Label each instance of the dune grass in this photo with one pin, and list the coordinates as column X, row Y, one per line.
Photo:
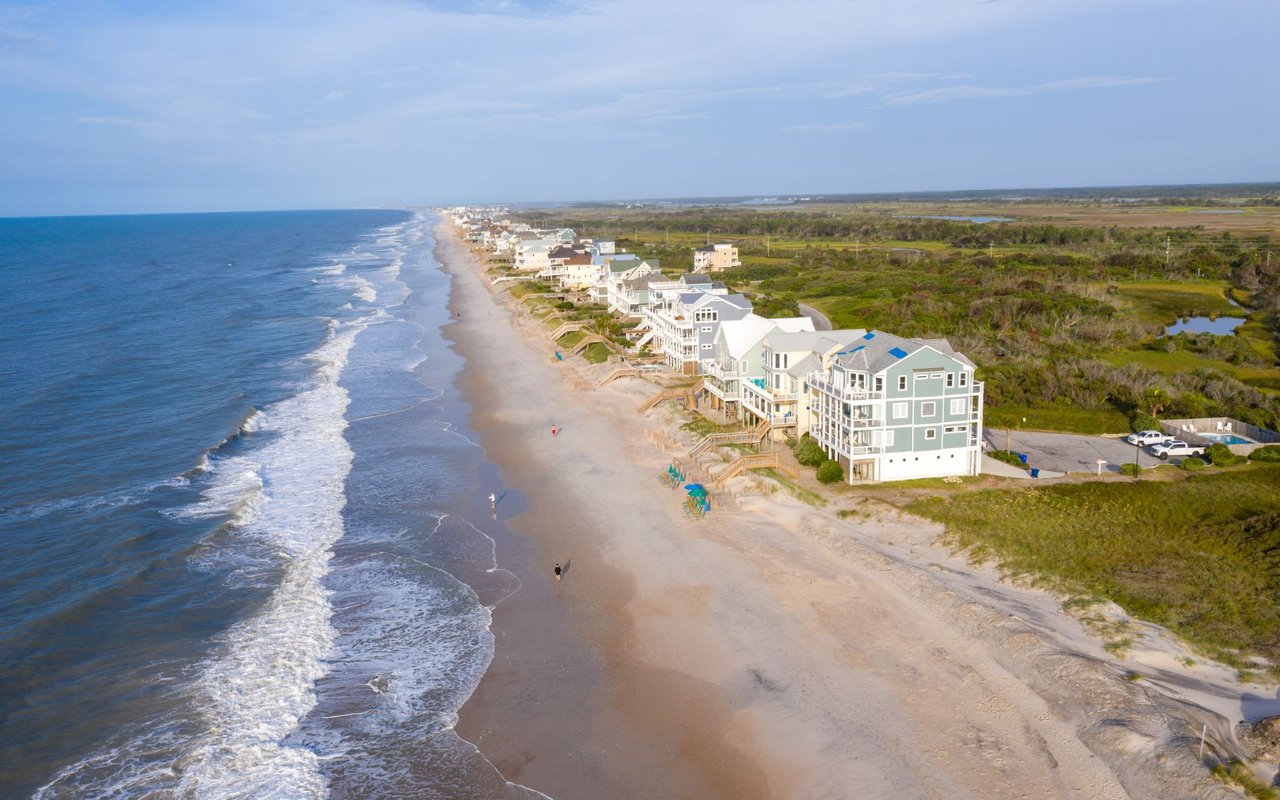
column 1200, row 556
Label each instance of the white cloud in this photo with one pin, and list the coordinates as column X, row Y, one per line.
column 948, row 93
column 833, row 127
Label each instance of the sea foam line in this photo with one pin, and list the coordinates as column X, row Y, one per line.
column 252, row 692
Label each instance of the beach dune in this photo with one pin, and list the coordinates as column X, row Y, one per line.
column 774, row 651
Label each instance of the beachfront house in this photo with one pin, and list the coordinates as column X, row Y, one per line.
column 737, row 355
column 789, row 357
column 715, row 258
column 570, row 267
column 617, row 270
column 889, row 408
column 632, row 297
column 684, row 316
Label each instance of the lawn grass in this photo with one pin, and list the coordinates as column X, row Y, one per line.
column 1069, row 419
column 571, row 338
column 1200, row 556
column 596, row 353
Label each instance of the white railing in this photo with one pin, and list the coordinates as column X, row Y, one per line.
column 822, row 382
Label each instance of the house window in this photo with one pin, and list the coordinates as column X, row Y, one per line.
column 951, row 379
column 706, row 329
column 957, row 406
column 879, row 383
column 930, row 433
column 706, row 347
column 964, row 378
column 900, row 410
column 888, row 438
column 928, row 409
column 902, row 383
column 744, row 366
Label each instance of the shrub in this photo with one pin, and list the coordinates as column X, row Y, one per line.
column 809, row 453
column 1269, row 453
column 1144, row 422
column 564, row 305
column 1008, row 457
column 830, row 472
column 1131, row 469
column 1221, row 456
column 1192, row 464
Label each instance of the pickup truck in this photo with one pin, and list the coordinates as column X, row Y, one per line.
column 1147, row 438
column 1175, row 447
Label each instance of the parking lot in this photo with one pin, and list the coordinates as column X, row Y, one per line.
column 1069, row 452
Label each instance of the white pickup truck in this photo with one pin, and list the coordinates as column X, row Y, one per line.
column 1175, row 447
column 1147, row 438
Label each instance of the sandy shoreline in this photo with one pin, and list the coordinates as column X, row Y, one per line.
column 772, row 652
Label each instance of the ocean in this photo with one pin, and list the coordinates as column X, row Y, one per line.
column 246, row 531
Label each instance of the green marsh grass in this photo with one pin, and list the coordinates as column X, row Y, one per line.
column 1200, row 556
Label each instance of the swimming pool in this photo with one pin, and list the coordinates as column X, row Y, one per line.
column 1226, row 438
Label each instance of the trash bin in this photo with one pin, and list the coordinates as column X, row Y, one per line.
column 1035, row 473
column 1023, row 457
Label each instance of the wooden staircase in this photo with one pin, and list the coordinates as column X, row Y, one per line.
column 620, row 372
column 753, row 437
column 586, row 342
column 753, row 461
column 687, row 393
column 568, row 327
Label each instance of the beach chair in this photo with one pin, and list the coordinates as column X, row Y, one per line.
column 1219, row 426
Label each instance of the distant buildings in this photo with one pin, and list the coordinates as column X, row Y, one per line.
column 886, row 407
column 715, row 258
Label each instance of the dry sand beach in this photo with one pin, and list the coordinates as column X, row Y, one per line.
column 772, row 651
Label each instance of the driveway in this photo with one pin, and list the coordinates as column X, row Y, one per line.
column 1070, row 452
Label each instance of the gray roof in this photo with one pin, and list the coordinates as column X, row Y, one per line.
column 695, row 279
column 812, row 341
column 644, row 280
column 810, row 363
column 877, row 351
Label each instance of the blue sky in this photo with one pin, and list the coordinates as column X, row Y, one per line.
column 174, row 106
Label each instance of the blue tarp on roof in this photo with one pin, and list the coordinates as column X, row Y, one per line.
column 898, row 352
column 869, row 336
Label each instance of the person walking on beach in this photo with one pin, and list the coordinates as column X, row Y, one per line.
column 559, row 572
column 493, row 502
column 554, row 429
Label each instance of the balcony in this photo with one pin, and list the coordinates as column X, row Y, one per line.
column 718, row 370
column 822, row 382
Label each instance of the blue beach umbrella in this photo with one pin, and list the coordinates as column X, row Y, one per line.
column 694, row 487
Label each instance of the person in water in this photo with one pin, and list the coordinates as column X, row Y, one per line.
column 559, row 572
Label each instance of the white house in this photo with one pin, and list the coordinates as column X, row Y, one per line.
column 789, row 357
column 737, row 355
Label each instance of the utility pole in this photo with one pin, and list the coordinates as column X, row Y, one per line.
column 1166, row 254
column 768, row 248
column 991, row 249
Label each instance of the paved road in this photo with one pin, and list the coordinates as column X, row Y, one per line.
column 820, row 321
column 1068, row 452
